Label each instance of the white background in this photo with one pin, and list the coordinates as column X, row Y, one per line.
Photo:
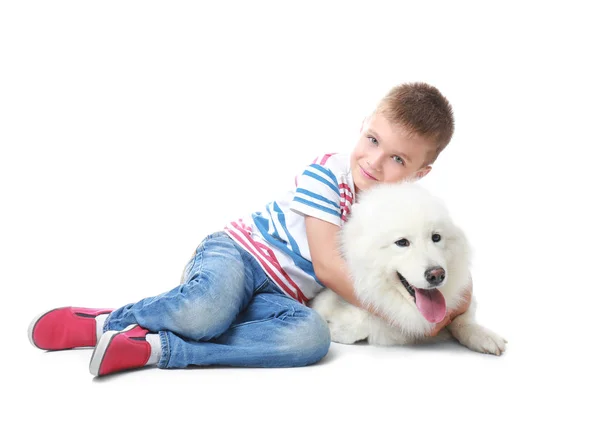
column 130, row 130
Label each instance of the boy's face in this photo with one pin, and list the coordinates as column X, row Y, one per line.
column 386, row 153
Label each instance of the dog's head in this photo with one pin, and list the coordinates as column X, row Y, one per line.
column 403, row 248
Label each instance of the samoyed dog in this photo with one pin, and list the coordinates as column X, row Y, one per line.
column 410, row 262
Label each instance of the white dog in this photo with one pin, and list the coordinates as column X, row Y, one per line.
column 408, row 260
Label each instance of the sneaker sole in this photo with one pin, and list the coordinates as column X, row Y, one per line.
column 34, row 322
column 100, row 350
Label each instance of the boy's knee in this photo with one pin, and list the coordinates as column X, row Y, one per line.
column 207, row 308
column 202, row 320
column 311, row 338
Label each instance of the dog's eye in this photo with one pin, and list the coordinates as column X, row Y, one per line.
column 436, row 238
column 402, row 242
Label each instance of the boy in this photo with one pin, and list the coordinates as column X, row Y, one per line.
column 242, row 298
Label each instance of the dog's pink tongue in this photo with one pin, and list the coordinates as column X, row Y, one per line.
column 431, row 304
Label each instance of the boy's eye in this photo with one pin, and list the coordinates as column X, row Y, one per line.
column 398, row 159
column 373, row 140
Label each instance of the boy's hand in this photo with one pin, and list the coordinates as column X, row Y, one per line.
column 450, row 315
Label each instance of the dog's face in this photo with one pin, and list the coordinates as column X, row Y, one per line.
column 401, row 239
column 416, row 253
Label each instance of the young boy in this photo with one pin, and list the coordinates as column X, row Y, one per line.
column 242, row 298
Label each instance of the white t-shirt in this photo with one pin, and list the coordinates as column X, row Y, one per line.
column 276, row 235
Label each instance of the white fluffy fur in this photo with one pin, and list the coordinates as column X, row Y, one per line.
column 382, row 216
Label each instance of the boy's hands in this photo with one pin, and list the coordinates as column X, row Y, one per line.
column 450, row 315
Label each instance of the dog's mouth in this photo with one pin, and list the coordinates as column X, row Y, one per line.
column 430, row 303
column 410, row 289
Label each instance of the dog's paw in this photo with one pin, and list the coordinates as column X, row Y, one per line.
column 345, row 334
column 480, row 339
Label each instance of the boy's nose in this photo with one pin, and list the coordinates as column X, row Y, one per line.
column 376, row 161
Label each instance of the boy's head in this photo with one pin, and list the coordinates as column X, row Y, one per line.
column 403, row 136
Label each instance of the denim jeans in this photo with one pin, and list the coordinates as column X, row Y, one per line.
column 227, row 312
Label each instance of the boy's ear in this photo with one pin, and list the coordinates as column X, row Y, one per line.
column 422, row 172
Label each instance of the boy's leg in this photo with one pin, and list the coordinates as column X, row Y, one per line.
column 218, row 283
column 217, row 286
column 273, row 331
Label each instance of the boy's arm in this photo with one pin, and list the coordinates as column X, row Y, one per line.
column 331, row 269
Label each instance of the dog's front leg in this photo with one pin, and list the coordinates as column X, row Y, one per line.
column 472, row 335
column 349, row 325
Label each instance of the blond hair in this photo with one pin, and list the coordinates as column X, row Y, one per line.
column 421, row 109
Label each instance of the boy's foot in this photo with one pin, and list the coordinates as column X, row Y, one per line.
column 66, row 328
column 122, row 350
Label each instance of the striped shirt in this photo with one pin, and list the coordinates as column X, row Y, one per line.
column 276, row 235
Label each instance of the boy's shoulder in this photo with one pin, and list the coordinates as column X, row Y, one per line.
column 339, row 162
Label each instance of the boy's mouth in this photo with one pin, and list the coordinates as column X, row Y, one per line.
column 366, row 174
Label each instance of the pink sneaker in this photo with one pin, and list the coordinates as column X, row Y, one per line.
column 66, row 328
column 121, row 350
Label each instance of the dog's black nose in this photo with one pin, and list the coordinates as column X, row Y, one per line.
column 435, row 275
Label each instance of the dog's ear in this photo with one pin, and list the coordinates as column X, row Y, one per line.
column 355, row 207
column 459, row 241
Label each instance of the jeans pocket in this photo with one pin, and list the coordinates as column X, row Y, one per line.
column 262, row 288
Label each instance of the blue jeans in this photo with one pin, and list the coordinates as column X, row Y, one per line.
column 227, row 311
